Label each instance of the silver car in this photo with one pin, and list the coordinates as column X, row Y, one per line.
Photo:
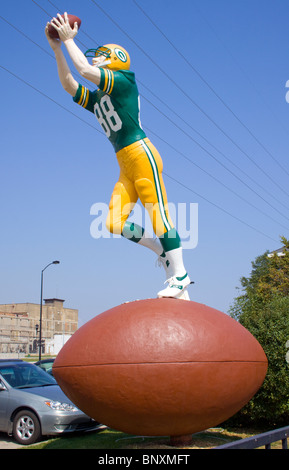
column 32, row 404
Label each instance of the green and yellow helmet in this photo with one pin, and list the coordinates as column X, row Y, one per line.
column 114, row 57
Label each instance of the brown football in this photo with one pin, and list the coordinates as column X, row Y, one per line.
column 161, row 367
column 72, row 19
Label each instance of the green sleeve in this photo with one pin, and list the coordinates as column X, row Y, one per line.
column 84, row 98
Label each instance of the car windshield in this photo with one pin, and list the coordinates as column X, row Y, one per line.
column 25, row 375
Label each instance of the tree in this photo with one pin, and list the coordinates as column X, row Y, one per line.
column 263, row 309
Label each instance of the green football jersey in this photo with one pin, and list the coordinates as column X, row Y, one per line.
column 116, row 105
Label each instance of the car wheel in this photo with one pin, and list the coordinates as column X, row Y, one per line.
column 26, row 427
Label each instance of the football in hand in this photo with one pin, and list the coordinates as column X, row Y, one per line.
column 71, row 18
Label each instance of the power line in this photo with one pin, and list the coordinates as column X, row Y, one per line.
column 50, row 16
column 59, row 9
column 189, row 97
column 52, row 56
column 256, row 90
column 209, row 153
column 210, row 87
column 49, row 98
column 182, row 154
column 213, row 146
column 218, row 207
column 27, row 37
column 169, row 176
column 217, row 180
column 224, row 166
column 101, row 132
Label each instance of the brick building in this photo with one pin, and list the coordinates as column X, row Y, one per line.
column 19, row 327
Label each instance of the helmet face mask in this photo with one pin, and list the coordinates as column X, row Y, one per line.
column 111, row 56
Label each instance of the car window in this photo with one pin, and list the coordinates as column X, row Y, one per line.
column 46, row 366
column 8, row 374
column 24, row 375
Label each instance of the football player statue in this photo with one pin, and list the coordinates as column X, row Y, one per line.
column 116, row 105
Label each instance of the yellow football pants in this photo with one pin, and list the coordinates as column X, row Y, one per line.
column 140, row 178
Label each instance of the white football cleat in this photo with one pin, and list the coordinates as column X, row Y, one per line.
column 176, row 287
column 184, row 295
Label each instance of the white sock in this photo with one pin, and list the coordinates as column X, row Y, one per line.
column 175, row 257
column 152, row 243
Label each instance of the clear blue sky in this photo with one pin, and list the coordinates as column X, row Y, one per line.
column 221, row 124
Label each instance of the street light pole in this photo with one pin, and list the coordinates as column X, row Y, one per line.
column 41, row 301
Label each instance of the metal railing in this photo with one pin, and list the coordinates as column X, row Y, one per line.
column 264, row 439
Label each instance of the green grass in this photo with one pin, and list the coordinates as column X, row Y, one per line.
column 107, row 439
column 110, row 439
column 34, row 358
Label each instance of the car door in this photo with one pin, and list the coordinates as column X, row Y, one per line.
column 4, row 406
